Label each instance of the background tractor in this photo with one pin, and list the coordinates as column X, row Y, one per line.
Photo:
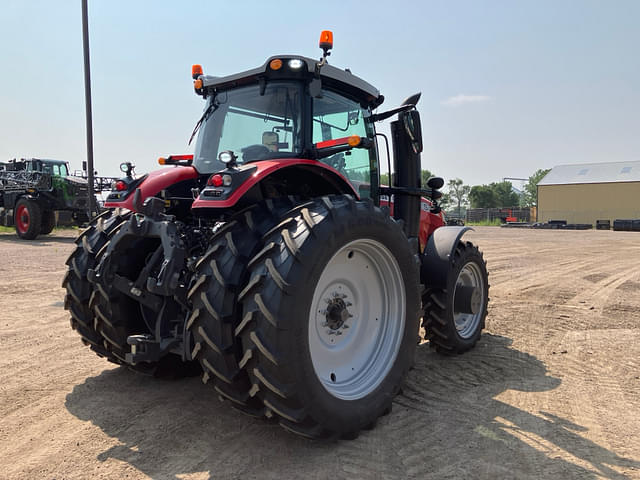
column 33, row 189
column 274, row 261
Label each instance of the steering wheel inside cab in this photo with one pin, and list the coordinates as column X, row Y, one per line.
column 255, row 152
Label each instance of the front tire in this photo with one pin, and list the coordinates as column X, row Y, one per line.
column 450, row 330
column 332, row 311
column 27, row 219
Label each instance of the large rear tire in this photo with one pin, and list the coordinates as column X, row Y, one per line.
column 215, row 316
column 330, row 317
column 449, row 330
column 77, row 286
column 27, row 218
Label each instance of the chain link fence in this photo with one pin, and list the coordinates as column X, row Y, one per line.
column 490, row 215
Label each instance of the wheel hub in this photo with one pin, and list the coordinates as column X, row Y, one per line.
column 468, row 299
column 337, row 313
column 22, row 219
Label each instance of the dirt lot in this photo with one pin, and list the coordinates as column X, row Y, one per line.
column 551, row 391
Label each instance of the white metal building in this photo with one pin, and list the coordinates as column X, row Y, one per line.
column 584, row 193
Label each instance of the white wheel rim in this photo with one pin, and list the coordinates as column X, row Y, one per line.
column 357, row 318
column 467, row 323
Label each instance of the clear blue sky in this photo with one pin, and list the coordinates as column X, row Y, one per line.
column 507, row 87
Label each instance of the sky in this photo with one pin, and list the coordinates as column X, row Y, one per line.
column 508, row 87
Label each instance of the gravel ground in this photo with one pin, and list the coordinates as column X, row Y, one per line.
column 551, row 391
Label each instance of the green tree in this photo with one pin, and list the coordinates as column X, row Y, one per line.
column 482, row 196
column 425, row 175
column 505, row 196
column 531, row 188
column 445, row 201
column 458, row 192
column 496, row 194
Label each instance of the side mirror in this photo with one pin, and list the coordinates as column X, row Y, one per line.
column 435, row 183
column 413, row 127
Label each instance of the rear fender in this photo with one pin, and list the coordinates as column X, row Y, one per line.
column 154, row 183
column 291, row 176
column 438, row 255
column 429, row 221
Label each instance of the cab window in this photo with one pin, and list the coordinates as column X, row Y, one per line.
column 334, row 117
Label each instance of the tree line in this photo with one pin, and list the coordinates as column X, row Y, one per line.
column 493, row 195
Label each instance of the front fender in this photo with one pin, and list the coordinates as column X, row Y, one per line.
column 438, row 254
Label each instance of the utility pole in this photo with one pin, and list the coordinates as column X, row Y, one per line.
column 87, row 103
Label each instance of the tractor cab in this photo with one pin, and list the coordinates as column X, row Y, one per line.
column 292, row 107
column 56, row 168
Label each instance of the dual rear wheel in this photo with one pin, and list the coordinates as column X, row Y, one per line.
column 304, row 313
column 326, row 316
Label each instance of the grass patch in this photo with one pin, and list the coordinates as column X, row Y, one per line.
column 486, row 223
column 6, row 229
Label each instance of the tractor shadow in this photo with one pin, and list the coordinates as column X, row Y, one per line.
column 447, row 423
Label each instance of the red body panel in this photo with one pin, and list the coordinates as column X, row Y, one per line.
column 428, row 221
column 264, row 169
column 157, row 181
column 164, row 178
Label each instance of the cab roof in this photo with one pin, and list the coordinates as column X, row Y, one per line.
column 333, row 77
column 47, row 160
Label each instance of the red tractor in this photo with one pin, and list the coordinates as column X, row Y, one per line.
column 274, row 260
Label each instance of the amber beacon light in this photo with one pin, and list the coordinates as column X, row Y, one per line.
column 196, row 71
column 326, row 40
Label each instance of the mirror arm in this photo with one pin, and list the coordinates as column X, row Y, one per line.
column 376, row 117
column 416, row 192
